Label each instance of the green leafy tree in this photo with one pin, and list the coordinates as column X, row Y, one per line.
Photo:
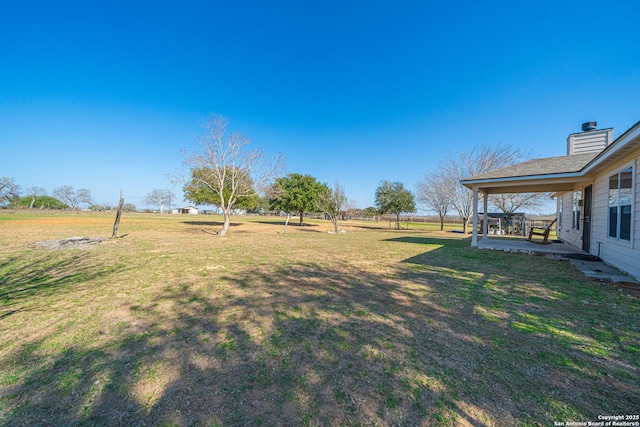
column 199, row 193
column 262, row 205
column 392, row 197
column 129, row 207
column 370, row 211
column 296, row 193
column 40, row 202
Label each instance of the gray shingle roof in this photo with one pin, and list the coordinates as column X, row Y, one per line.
column 545, row 166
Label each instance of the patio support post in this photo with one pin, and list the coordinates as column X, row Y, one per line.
column 485, row 217
column 474, row 231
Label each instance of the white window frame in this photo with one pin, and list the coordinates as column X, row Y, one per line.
column 628, row 168
column 576, row 209
column 560, row 212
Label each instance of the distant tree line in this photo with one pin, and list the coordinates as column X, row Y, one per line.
column 65, row 197
column 68, row 197
column 227, row 172
column 61, row 198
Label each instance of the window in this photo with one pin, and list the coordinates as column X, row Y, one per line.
column 620, row 205
column 577, row 207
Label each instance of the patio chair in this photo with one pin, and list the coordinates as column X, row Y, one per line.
column 539, row 231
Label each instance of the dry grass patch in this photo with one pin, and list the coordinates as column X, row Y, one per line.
column 172, row 325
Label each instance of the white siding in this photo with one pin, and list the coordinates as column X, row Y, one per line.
column 588, row 142
column 599, row 213
column 619, row 253
column 566, row 232
column 636, row 211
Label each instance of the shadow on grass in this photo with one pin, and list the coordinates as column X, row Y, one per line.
column 377, row 227
column 282, row 222
column 545, row 325
column 44, row 273
column 307, row 230
column 210, row 223
column 443, row 338
column 426, row 240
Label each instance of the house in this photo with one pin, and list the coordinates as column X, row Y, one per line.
column 186, row 210
column 597, row 192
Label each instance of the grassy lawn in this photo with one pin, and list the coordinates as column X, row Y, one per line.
column 172, row 325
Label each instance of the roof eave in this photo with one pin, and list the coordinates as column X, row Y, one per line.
column 470, row 183
column 616, row 147
column 562, row 181
column 528, row 184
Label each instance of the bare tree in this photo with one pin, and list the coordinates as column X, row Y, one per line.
column 160, row 198
column 228, row 168
column 332, row 202
column 433, row 191
column 71, row 196
column 511, row 202
column 34, row 193
column 9, row 190
column 481, row 159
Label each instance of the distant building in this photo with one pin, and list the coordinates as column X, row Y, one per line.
column 189, row 210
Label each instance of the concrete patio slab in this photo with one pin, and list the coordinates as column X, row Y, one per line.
column 593, row 269
column 514, row 244
column 601, row 271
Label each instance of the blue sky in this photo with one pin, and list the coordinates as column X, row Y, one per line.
column 103, row 95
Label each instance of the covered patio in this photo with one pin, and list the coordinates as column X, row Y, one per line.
column 592, row 183
column 548, row 175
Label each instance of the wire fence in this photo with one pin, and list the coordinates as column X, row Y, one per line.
column 406, row 221
column 425, row 219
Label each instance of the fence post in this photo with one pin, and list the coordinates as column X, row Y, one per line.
column 118, row 214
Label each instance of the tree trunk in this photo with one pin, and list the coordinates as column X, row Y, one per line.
column 33, row 200
column 441, row 223
column 465, row 222
column 301, row 217
column 397, row 221
column 225, row 226
column 335, row 223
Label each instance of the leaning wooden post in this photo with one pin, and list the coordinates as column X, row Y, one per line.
column 118, row 214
